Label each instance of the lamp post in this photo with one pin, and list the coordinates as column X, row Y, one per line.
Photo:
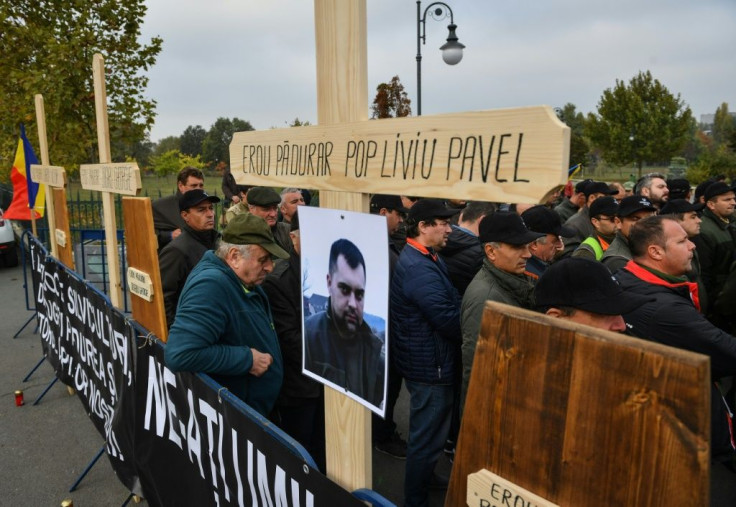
column 452, row 50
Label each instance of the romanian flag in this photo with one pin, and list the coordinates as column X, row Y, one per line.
column 27, row 195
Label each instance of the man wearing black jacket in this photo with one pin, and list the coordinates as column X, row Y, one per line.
column 300, row 406
column 178, row 258
column 661, row 256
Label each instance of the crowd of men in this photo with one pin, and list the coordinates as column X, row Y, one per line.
column 649, row 259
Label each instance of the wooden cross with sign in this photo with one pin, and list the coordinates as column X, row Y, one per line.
column 54, row 177
column 514, row 155
column 143, row 276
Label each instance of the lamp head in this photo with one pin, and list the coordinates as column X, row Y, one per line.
column 452, row 50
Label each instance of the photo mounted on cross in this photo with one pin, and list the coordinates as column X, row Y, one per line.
column 345, row 313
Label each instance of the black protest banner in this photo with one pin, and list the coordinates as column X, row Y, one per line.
column 88, row 344
column 196, row 445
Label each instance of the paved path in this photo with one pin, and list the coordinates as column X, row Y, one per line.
column 44, row 448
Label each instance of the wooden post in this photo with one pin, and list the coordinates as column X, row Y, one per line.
column 580, row 416
column 108, row 204
column 44, row 147
column 342, row 96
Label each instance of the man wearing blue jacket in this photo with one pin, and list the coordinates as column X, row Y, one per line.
column 223, row 325
column 425, row 316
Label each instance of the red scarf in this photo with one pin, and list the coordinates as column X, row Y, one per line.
column 649, row 277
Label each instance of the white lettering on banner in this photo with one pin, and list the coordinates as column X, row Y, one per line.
column 210, row 438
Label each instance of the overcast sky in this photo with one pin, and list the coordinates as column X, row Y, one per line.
column 255, row 59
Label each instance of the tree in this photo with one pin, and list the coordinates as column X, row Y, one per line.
column 579, row 148
column 216, row 144
column 46, row 47
column 192, row 139
column 391, row 100
column 641, row 122
column 724, row 126
column 173, row 161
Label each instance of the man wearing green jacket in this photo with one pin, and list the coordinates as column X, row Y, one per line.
column 223, row 325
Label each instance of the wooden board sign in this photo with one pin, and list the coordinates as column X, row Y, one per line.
column 140, row 284
column 51, row 175
column 582, row 416
column 119, row 178
column 60, row 237
column 486, row 489
column 506, row 155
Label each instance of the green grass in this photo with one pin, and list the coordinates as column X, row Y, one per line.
column 153, row 186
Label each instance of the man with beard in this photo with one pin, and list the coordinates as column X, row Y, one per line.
column 339, row 346
column 653, row 186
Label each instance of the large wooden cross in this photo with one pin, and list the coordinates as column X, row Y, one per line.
column 514, row 155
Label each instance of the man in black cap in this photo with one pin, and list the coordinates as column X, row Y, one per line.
column 543, row 220
column 264, row 202
column 584, row 291
column 570, row 205
column 167, row 221
column 178, row 258
column 385, row 437
column 581, row 220
column 661, row 256
column 505, row 241
column 679, row 189
column 300, row 406
column 630, row 210
column 425, row 316
column 716, row 247
column 603, row 219
column 223, row 325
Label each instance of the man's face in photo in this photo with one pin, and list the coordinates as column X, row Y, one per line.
column 346, row 287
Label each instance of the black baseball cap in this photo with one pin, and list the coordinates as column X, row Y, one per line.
column 541, row 219
column 598, row 187
column 677, row 206
column 390, row 202
column 249, row 229
column 194, row 197
column 584, row 284
column 505, row 227
column 605, row 205
column 678, row 187
column 580, row 185
column 633, row 203
column 716, row 189
column 263, row 196
column 702, row 187
column 428, row 209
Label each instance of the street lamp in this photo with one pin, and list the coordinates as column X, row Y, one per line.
column 452, row 50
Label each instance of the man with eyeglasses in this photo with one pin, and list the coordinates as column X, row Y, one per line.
column 425, row 318
column 630, row 210
column 545, row 221
column 264, row 202
column 339, row 345
column 602, row 218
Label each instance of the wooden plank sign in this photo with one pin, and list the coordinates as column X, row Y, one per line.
column 506, row 155
column 486, row 489
column 51, row 175
column 119, row 178
column 582, row 416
